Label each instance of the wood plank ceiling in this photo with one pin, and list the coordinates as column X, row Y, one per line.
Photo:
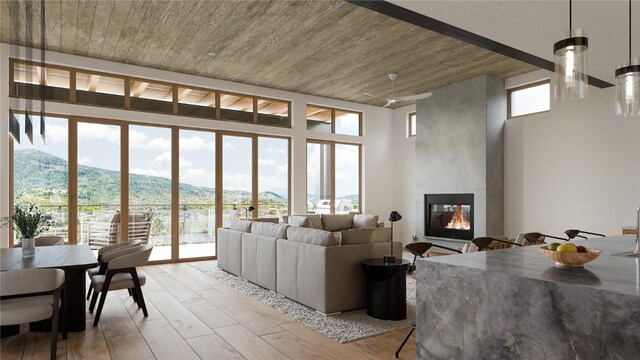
column 327, row 48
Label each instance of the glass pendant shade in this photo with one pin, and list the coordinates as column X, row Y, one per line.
column 570, row 75
column 628, row 89
column 14, row 127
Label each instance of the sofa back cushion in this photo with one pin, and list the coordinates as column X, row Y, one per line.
column 337, row 222
column 316, row 221
column 365, row 236
column 277, row 231
column 365, row 221
column 311, row 236
column 299, row 220
column 240, row 225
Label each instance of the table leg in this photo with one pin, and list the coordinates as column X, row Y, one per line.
column 75, row 303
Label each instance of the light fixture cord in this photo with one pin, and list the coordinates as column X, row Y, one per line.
column 630, row 32
column 570, row 16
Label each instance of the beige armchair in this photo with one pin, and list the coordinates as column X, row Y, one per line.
column 108, row 233
column 102, row 267
column 19, row 303
column 121, row 274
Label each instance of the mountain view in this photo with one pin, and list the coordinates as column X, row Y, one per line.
column 42, row 176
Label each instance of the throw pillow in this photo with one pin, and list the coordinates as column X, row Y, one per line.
column 365, row 221
column 299, row 220
column 311, row 236
column 337, row 222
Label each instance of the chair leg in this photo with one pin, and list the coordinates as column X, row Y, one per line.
column 89, row 292
column 141, row 303
column 413, row 327
column 92, row 305
column 54, row 325
column 63, row 315
column 96, row 319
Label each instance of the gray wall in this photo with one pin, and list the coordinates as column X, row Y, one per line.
column 459, row 149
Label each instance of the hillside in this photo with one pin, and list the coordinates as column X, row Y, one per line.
column 39, row 174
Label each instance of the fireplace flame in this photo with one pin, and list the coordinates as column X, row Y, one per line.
column 459, row 222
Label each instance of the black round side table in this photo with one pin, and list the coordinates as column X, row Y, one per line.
column 386, row 288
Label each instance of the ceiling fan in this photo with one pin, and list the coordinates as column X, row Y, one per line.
column 394, row 99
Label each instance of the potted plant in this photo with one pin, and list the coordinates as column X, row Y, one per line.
column 414, row 238
column 30, row 222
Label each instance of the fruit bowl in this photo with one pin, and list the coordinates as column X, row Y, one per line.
column 570, row 259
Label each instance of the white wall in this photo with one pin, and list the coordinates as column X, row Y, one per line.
column 404, row 160
column 577, row 166
column 377, row 141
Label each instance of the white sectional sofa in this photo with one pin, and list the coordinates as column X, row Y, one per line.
column 315, row 267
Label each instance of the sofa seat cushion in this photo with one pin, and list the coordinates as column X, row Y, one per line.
column 337, row 222
column 365, row 236
column 365, row 221
column 278, row 231
column 240, row 225
column 311, row 236
column 300, row 220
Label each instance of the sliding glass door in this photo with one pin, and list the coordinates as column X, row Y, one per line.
column 98, row 183
column 237, row 177
column 150, row 164
column 197, row 216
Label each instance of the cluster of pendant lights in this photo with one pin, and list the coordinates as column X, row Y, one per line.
column 571, row 77
column 14, row 127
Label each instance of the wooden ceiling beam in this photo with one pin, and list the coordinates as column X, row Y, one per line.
column 183, row 92
column 208, row 100
column 138, row 87
column 93, row 82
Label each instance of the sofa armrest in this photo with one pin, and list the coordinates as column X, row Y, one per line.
column 328, row 279
column 381, row 224
column 230, row 251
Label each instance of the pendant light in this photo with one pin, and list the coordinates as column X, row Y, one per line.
column 628, row 83
column 42, row 128
column 570, row 75
column 28, row 126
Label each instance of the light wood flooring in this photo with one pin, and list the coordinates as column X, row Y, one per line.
column 193, row 316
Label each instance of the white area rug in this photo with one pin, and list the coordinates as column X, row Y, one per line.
column 343, row 327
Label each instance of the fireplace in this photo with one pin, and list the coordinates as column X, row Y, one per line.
column 449, row 216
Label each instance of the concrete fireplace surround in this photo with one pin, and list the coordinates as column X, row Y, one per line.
column 459, row 149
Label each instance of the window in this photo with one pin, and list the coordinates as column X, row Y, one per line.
column 39, row 82
column 236, row 107
column 40, row 171
column 273, row 177
column 335, row 121
column 411, row 124
column 96, row 89
column 333, row 177
column 196, row 102
column 529, row 99
column 273, row 112
column 150, row 96
column 237, row 179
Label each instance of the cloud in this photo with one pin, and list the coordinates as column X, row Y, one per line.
column 84, row 160
column 163, row 159
column 267, row 162
column 91, row 131
column 159, row 144
column 137, row 139
column 196, row 143
column 57, row 133
column 271, row 183
column 347, row 156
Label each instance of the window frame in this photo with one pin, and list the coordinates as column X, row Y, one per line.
column 333, row 118
column 124, row 125
column 523, row 87
column 127, row 93
column 409, row 115
column 332, row 145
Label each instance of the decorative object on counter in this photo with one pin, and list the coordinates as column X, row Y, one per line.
column 573, row 233
column 29, row 222
column 571, row 75
column 570, row 258
column 247, row 210
column 393, row 217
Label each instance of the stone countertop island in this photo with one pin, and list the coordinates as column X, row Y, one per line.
column 515, row 304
